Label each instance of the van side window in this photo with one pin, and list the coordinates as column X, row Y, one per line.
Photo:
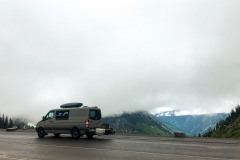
column 62, row 115
column 49, row 115
column 95, row 114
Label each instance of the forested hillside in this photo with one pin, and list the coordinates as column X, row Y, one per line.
column 137, row 123
column 228, row 128
column 5, row 122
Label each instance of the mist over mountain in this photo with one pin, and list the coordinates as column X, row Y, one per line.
column 133, row 55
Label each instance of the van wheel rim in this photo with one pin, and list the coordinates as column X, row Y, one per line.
column 75, row 134
column 41, row 133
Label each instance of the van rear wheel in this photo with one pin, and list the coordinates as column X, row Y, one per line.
column 89, row 135
column 75, row 133
column 56, row 134
column 41, row 133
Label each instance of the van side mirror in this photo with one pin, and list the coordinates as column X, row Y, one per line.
column 43, row 118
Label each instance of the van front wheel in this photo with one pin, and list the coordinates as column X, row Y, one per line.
column 75, row 133
column 41, row 133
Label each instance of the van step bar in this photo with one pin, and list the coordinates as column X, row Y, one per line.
column 109, row 131
column 101, row 131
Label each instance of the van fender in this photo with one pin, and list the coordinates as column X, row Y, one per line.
column 37, row 128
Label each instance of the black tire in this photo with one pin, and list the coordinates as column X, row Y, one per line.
column 56, row 134
column 41, row 133
column 89, row 135
column 75, row 133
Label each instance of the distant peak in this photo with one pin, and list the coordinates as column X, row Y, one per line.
column 167, row 113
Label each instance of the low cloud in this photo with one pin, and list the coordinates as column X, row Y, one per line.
column 123, row 56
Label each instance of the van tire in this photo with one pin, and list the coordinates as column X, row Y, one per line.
column 56, row 134
column 75, row 133
column 89, row 135
column 41, row 133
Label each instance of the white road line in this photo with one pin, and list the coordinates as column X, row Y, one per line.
column 3, row 156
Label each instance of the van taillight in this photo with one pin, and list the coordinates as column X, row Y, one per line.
column 87, row 123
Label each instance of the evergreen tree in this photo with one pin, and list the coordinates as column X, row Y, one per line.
column 1, row 122
column 10, row 125
column 218, row 125
column 199, row 135
column 238, row 110
column 5, row 123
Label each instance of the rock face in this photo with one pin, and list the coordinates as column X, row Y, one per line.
column 137, row 123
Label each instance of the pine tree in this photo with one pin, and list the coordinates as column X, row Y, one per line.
column 199, row 135
column 10, row 125
column 5, row 123
column 1, row 122
column 238, row 110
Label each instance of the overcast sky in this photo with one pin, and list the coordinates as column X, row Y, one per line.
column 119, row 55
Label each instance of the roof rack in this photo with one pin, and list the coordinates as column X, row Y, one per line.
column 71, row 105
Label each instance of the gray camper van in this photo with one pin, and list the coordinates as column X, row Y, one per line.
column 72, row 119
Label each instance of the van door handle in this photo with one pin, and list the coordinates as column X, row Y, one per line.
column 51, row 121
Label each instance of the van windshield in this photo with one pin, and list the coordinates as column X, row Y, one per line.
column 50, row 115
column 95, row 114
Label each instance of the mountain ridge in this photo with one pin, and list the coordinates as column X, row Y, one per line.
column 140, row 122
column 192, row 125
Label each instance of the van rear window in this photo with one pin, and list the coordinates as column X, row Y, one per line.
column 95, row 114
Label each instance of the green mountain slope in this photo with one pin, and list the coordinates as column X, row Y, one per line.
column 228, row 128
column 137, row 123
column 192, row 124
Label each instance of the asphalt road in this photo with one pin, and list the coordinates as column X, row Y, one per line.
column 27, row 146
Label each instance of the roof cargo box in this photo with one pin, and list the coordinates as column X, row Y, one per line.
column 71, row 105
